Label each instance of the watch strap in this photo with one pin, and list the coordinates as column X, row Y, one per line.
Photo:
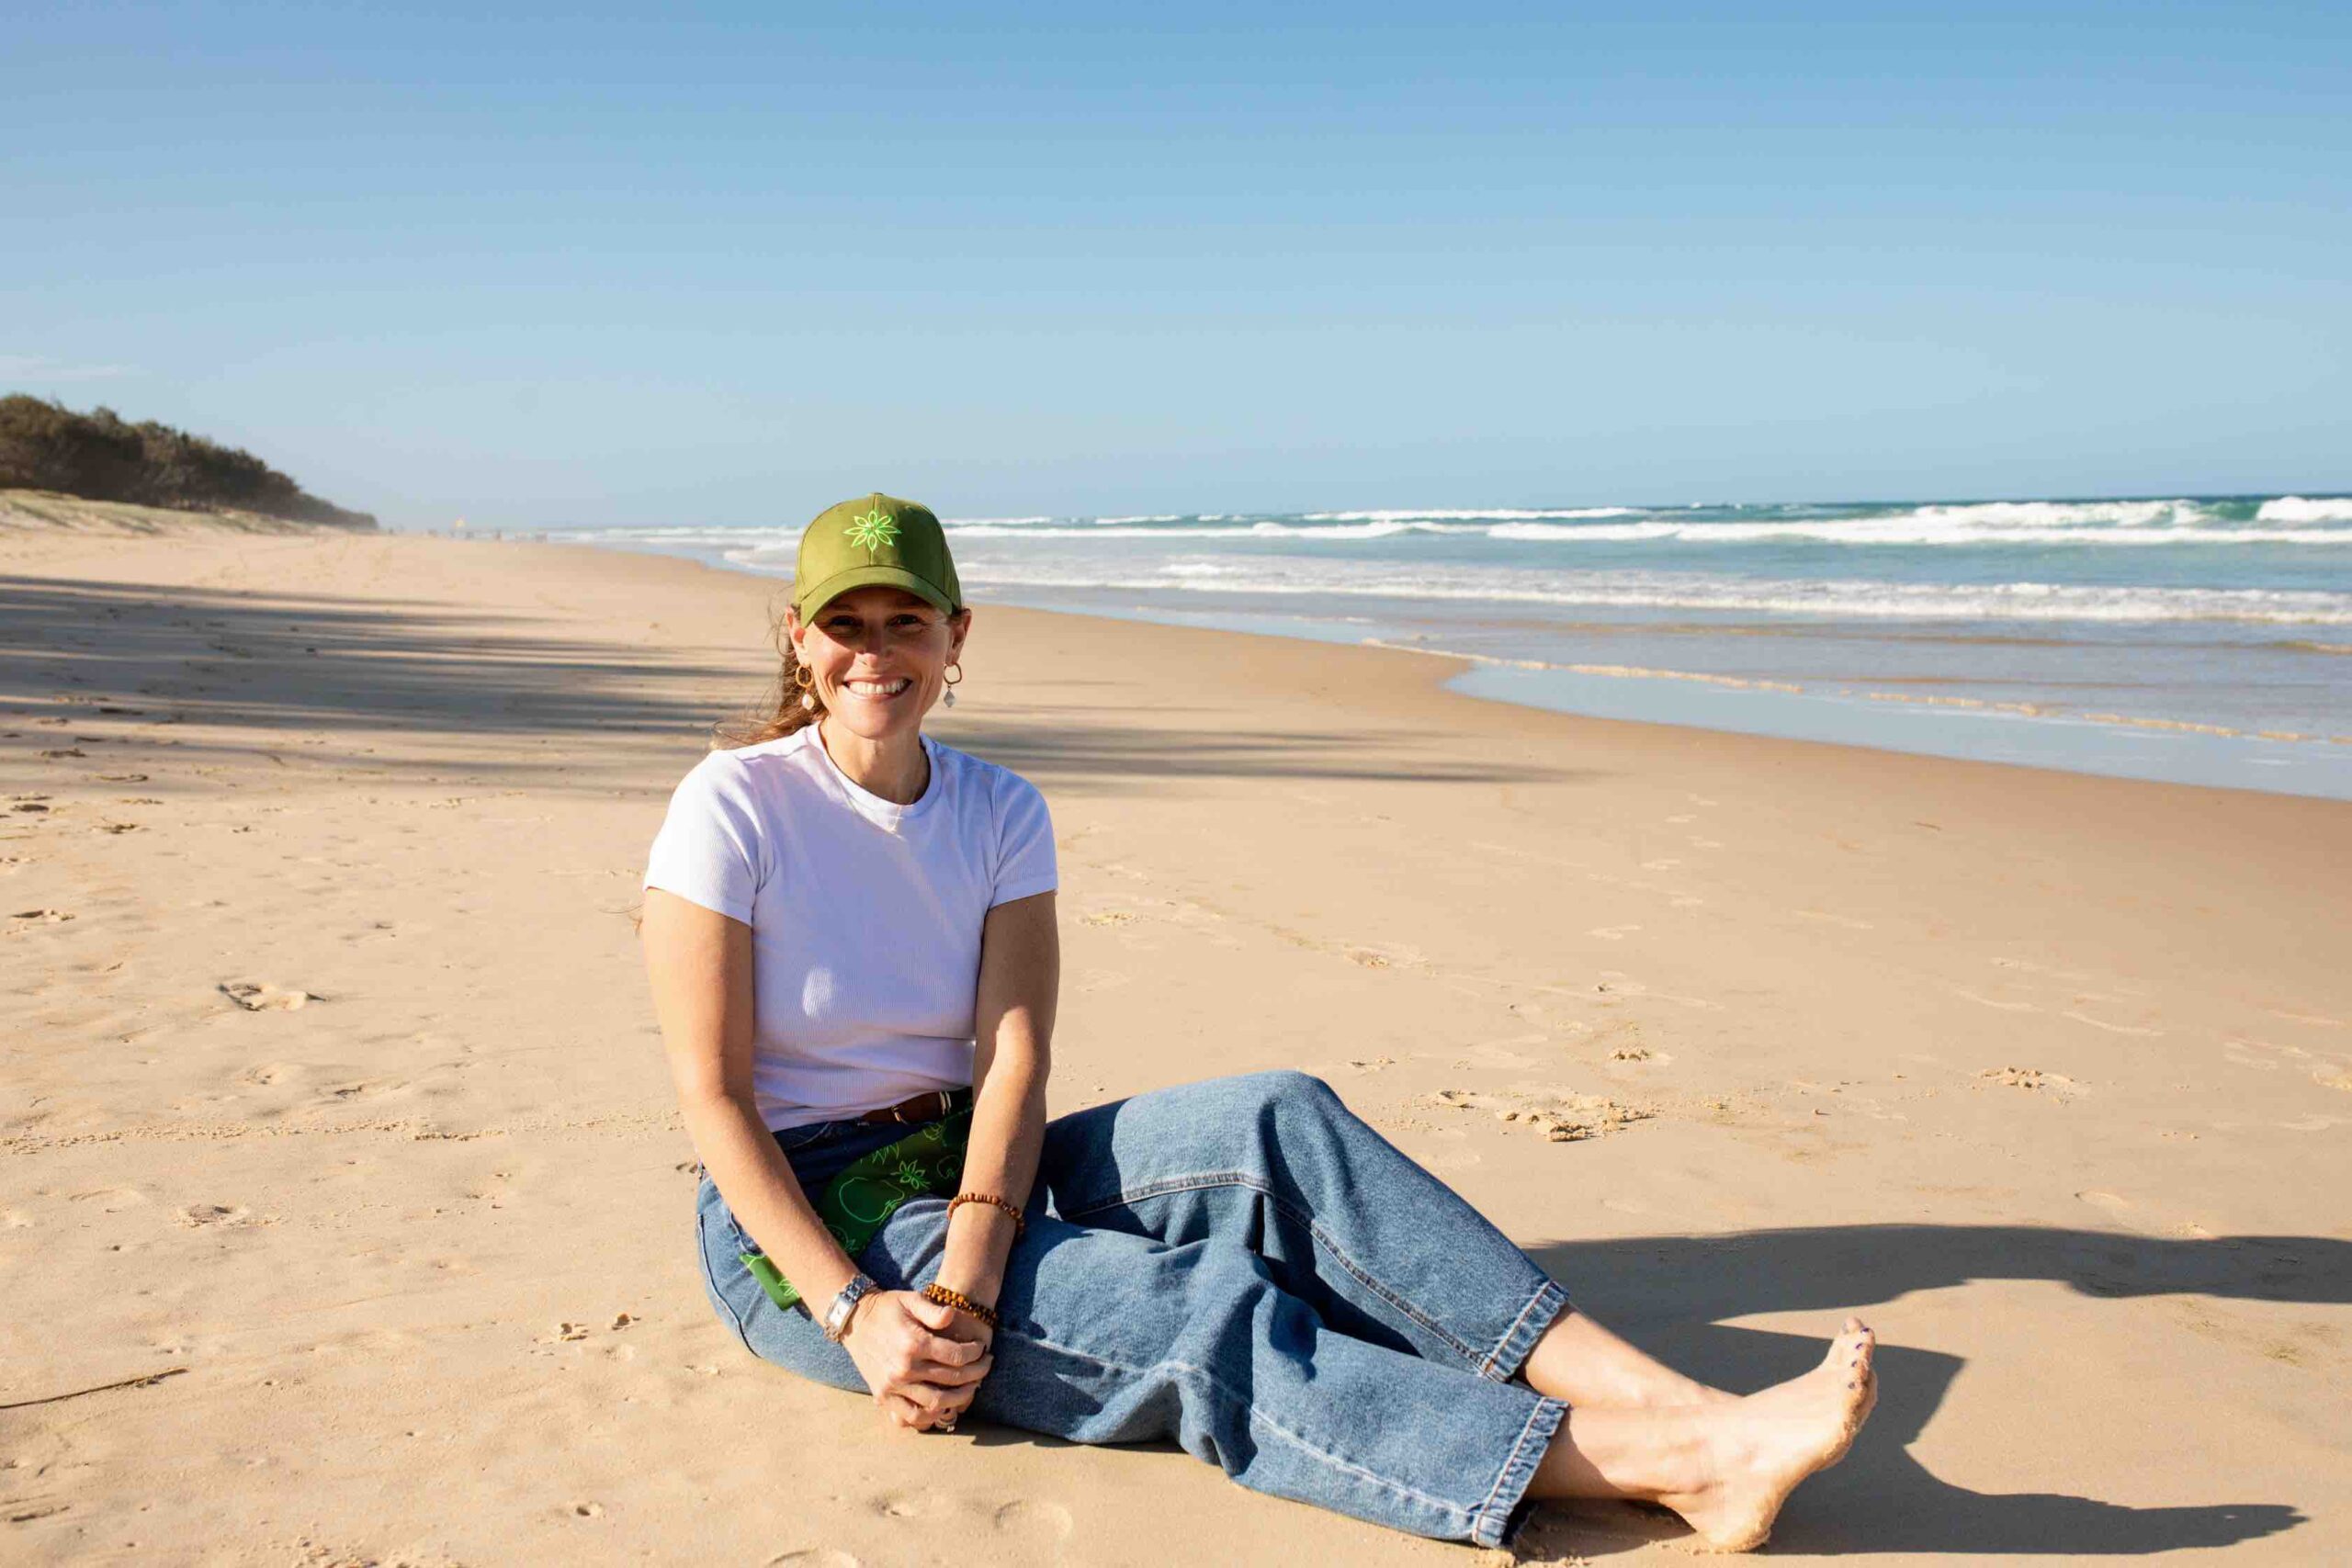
column 838, row 1314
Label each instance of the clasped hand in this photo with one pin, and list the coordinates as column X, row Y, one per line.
column 923, row 1360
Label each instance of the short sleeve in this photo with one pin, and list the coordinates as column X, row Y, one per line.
column 1025, row 838
column 708, row 847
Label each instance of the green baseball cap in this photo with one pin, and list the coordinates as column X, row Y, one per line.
column 876, row 538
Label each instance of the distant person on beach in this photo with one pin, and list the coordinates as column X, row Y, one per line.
column 851, row 935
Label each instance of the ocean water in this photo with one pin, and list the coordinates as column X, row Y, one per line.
column 2204, row 639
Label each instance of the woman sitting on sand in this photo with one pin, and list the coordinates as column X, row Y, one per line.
column 851, row 934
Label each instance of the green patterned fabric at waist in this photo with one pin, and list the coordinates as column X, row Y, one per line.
column 855, row 1203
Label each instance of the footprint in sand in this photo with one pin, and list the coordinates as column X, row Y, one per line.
column 199, row 1214
column 813, row 1557
column 260, row 997
column 2029, row 1077
column 1035, row 1522
column 113, row 1200
column 1566, row 1119
column 26, row 918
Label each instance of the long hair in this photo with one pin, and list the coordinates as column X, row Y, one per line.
column 780, row 711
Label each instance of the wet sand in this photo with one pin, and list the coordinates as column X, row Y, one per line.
column 333, row 1092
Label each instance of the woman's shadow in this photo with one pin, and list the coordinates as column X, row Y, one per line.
column 1672, row 1292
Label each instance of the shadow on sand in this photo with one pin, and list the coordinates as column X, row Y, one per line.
column 1672, row 1292
column 349, row 671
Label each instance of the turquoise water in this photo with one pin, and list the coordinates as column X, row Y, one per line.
column 2204, row 639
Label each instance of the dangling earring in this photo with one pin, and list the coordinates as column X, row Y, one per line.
column 957, row 670
column 802, row 679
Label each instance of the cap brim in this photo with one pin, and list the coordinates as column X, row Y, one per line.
column 841, row 582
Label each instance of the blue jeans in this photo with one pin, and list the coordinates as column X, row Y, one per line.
column 1242, row 1265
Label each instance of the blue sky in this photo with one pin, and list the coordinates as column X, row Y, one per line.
column 728, row 264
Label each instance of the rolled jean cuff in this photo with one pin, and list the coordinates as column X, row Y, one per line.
column 1507, row 1505
column 1547, row 1304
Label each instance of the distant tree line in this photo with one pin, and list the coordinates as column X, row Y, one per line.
column 102, row 457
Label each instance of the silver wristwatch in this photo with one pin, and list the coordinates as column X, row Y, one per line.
column 837, row 1314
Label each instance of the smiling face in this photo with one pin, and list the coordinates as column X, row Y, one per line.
column 879, row 658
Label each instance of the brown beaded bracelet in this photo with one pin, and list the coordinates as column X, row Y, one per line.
column 945, row 1296
column 1020, row 1220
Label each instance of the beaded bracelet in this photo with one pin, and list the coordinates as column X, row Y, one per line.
column 1020, row 1220
column 945, row 1296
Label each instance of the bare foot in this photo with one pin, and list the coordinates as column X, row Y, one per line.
column 1583, row 1364
column 1685, row 1393
column 1763, row 1445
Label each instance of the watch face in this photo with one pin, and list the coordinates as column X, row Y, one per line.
column 837, row 1315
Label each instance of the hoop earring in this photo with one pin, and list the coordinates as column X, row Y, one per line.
column 957, row 669
column 807, row 684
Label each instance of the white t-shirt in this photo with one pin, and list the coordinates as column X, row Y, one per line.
column 866, row 915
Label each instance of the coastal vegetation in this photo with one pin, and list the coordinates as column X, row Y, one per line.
column 100, row 456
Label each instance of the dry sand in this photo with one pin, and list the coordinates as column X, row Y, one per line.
column 332, row 1088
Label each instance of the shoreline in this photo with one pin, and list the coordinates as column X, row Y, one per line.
column 336, row 1087
column 1835, row 711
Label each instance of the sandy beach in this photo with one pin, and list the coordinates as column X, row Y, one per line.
column 344, row 1211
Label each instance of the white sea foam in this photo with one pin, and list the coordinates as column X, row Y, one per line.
column 2061, row 514
column 2301, row 509
column 1830, row 598
column 1925, row 527
column 683, row 536
column 1260, row 530
column 1442, row 514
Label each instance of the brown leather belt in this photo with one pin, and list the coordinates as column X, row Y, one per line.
column 928, row 1106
